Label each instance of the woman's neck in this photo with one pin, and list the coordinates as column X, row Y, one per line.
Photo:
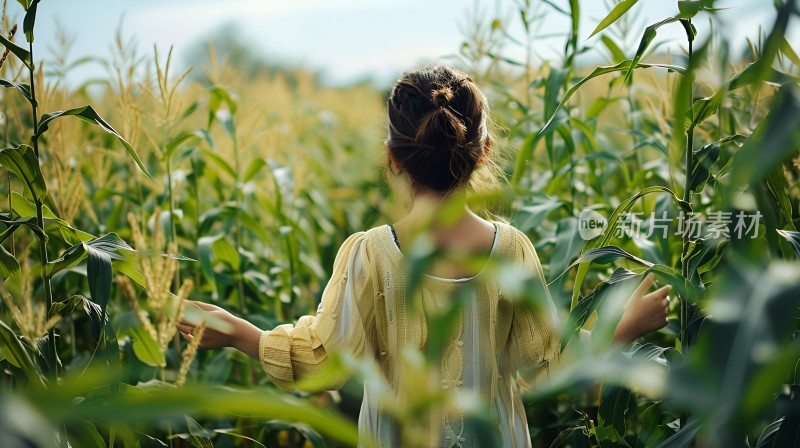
column 447, row 221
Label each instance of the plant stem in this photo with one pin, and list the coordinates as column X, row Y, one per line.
column 687, row 197
column 238, row 197
column 5, row 145
column 173, row 233
column 196, row 214
column 48, row 293
column 176, row 279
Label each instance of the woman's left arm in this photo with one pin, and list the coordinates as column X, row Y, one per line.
column 644, row 312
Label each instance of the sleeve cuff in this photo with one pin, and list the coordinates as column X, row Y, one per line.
column 261, row 345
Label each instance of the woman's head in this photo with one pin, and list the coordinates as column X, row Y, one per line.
column 437, row 127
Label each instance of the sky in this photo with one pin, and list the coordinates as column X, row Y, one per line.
column 345, row 40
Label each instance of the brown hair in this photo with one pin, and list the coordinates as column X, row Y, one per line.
column 437, row 127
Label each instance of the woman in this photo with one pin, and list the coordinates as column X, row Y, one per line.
column 438, row 137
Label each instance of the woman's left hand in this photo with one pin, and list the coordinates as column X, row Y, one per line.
column 644, row 313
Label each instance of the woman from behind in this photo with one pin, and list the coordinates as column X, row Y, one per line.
column 380, row 308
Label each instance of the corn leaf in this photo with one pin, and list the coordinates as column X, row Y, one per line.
column 87, row 113
column 28, row 21
column 616, row 12
column 23, row 162
column 648, row 36
column 23, row 88
column 23, row 54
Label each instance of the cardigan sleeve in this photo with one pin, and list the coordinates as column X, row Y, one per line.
column 534, row 338
column 291, row 352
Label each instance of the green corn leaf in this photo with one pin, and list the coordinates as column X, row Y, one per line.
column 507, row 60
column 611, row 414
column 616, row 52
column 224, row 250
column 231, row 433
column 554, row 83
column 204, row 253
column 789, row 52
column 793, row 238
column 530, row 141
column 703, row 255
column 662, row 355
column 684, row 437
column 173, row 144
column 648, row 36
column 23, row 162
column 689, row 8
column 773, row 141
column 704, row 108
column 74, row 303
column 228, row 123
column 99, row 273
column 201, row 437
column 704, row 159
column 624, row 65
column 28, row 21
column 110, row 244
column 87, row 113
column 603, row 255
column 8, row 264
column 218, row 95
column 253, row 169
column 26, row 209
column 155, row 401
column 575, row 14
column 531, row 216
column 146, row 348
column 220, row 162
column 568, row 243
column 16, row 354
column 616, row 12
column 24, row 89
column 767, row 437
column 23, row 54
column 13, row 221
column 572, row 437
column 778, row 186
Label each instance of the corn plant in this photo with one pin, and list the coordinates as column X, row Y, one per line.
column 708, row 177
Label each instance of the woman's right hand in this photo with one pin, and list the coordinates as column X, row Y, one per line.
column 222, row 329
column 644, row 312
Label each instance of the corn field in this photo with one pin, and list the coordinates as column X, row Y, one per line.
column 124, row 196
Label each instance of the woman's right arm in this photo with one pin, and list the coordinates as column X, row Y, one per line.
column 289, row 352
column 225, row 329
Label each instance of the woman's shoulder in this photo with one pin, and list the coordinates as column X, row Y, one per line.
column 510, row 240
column 374, row 240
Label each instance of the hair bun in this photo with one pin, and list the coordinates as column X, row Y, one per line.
column 442, row 96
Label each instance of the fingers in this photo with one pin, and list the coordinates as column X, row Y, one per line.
column 187, row 337
column 660, row 293
column 202, row 305
column 644, row 286
column 185, row 328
